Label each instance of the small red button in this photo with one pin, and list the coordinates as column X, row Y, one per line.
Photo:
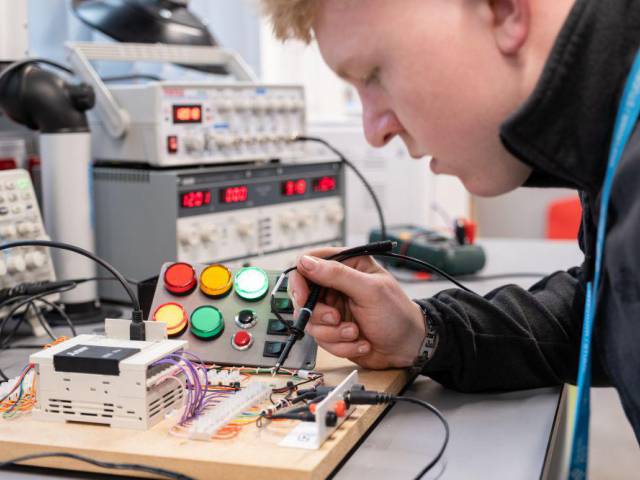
column 172, row 144
column 180, row 278
column 242, row 340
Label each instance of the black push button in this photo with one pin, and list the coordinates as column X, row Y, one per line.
column 273, row 349
column 247, row 317
column 276, row 327
column 283, row 305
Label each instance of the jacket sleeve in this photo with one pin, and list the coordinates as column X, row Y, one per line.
column 511, row 338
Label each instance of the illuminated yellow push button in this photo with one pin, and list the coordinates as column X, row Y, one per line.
column 216, row 281
column 174, row 316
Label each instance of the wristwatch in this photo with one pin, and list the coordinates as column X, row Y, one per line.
column 429, row 344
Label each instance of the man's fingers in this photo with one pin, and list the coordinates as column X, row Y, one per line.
column 353, row 283
column 298, row 289
column 345, row 332
column 324, row 314
column 347, row 349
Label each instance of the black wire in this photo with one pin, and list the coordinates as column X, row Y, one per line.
column 62, row 314
column 445, row 424
column 367, row 185
column 430, row 267
column 108, row 465
column 3, row 377
column 102, row 279
column 79, row 251
column 132, row 76
column 13, row 311
column 41, row 319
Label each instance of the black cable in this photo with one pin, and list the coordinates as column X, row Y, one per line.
column 367, row 185
column 108, row 465
column 132, row 76
column 430, row 267
column 62, row 314
column 41, row 319
column 103, row 279
column 137, row 328
column 366, row 397
column 445, row 424
column 79, row 251
column 13, row 311
column 3, row 377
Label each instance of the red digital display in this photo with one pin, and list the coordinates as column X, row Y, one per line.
column 187, row 114
column 198, row 198
column 324, row 184
column 292, row 188
column 238, row 194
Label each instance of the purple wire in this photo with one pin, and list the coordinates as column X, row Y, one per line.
column 200, row 365
column 189, row 403
column 199, row 393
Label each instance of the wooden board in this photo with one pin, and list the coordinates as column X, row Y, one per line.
column 253, row 453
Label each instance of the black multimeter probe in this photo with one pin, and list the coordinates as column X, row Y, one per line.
column 377, row 249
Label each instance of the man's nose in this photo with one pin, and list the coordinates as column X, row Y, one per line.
column 380, row 127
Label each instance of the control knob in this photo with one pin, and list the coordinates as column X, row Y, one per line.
column 189, row 238
column 245, row 229
column 26, row 228
column 35, row 260
column 208, row 233
column 16, row 264
column 335, row 214
column 194, row 143
column 9, row 231
column 287, row 220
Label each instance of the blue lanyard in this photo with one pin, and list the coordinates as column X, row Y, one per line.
column 626, row 120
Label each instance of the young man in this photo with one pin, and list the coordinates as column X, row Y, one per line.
column 502, row 93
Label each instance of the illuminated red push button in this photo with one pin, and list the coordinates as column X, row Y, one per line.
column 241, row 340
column 180, row 278
column 173, row 316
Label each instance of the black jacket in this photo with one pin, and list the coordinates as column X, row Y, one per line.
column 515, row 338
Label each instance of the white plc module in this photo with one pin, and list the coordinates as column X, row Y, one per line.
column 108, row 379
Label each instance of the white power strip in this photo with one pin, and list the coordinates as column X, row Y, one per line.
column 210, row 422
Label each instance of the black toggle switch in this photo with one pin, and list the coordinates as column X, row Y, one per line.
column 276, row 327
column 283, row 305
column 284, row 285
column 273, row 349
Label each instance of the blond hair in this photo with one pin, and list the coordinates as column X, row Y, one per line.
column 291, row 18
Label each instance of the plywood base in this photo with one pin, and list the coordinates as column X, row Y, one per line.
column 252, row 454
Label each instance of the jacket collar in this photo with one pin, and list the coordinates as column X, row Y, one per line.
column 564, row 129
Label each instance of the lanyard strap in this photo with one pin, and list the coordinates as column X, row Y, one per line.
column 626, row 120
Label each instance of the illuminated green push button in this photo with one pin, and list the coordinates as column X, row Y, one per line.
column 251, row 283
column 207, row 322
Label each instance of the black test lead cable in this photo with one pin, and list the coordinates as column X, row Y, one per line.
column 376, row 249
column 366, row 397
column 137, row 328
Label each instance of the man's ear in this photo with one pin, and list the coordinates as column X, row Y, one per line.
column 511, row 24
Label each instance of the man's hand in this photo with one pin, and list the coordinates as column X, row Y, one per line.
column 364, row 316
